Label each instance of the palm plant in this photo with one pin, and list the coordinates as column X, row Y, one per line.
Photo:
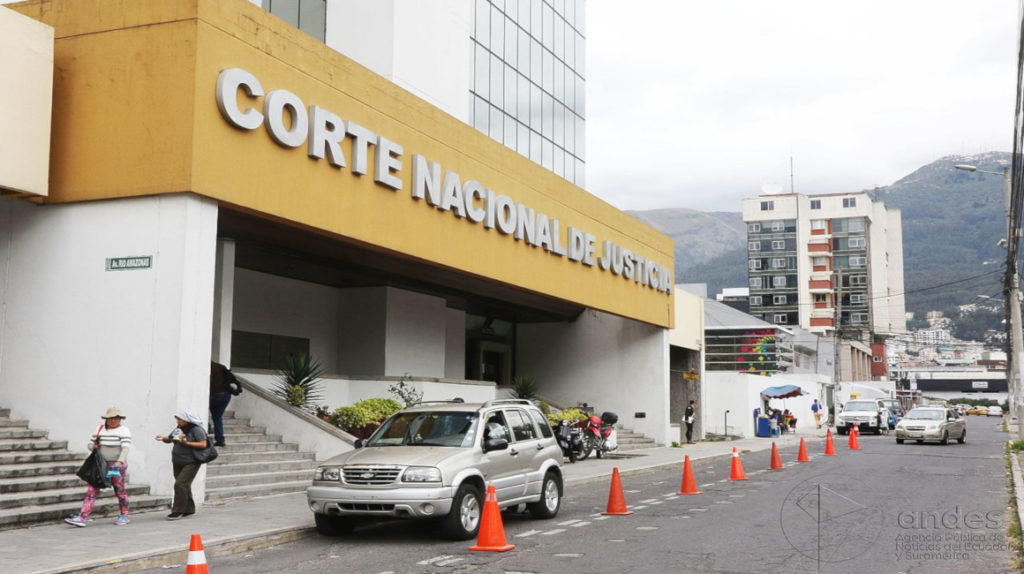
column 299, row 380
column 524, row 387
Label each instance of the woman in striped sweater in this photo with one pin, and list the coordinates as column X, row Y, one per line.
column 114, row 440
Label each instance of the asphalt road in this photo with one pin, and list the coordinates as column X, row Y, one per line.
column 886, row 508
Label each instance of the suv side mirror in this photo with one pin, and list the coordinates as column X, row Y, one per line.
column 495, row 444
column 360, row 442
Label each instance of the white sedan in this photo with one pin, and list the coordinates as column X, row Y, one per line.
column 931, row 423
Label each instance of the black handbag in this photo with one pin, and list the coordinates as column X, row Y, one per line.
column 205, row 455
column 94, row 470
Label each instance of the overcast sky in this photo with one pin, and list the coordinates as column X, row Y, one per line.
column 700, row 104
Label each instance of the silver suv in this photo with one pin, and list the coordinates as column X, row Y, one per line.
column 435, row 460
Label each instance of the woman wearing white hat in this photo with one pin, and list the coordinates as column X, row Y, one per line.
column 188, row 437
column 113, row 439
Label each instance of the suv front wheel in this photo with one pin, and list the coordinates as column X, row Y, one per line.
column 463, row 522
column 550, row 498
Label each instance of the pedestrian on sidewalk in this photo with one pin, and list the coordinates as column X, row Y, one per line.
column 188, row 437
column 220, row 395
column 688, row 415
column 816, row 409
column 114, row 440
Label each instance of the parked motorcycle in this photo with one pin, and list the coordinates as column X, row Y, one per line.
column 598, row 436
column 570, row 439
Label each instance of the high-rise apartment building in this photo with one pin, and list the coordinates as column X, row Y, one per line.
column 826, row 261
column 513, row 69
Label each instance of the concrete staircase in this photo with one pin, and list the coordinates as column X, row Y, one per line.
column 629, row 440
column 254, row 463
column 38, row 482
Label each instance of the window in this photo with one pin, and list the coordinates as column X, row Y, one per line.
column 778, row 245
column 755, row 282
column 542, row 423
column 767, row 206
column 779, row 263
column 754, row 264
column 858, row 261
column 778, row 226
column 815, row 204
column 779, row 281
column 753, row 245
column 779, row 299
column 858, row 280
column 849, row 202
column 857, row 242
column 755, row 300
column 876, row 359
column 856, row 224
column 522, row 426
column 310, row 16
column 856, row 298
column 780, row 319
column 753, row 227
column 858, row 318
column 821, row 298
column 819, row 261
column 819, row 224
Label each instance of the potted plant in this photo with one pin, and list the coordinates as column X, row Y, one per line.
column 299, row 380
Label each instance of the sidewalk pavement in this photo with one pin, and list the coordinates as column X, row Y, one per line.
column 244, row 525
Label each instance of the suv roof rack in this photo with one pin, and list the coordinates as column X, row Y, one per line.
column 508, row 402
column 456, row 401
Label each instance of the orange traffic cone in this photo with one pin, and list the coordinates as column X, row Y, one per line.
column 830, row 449
column 689, row 482
column 492, row 534
column 854, row 444
column 776, row 460
column 196, row 557
column 737, row 467
column 616, row 500
column 802, row 454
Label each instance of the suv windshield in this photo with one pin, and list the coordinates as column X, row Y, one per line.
column 861, row 406
column 427, row 428
column 925, row 415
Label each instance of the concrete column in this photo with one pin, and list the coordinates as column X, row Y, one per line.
column 223, row 301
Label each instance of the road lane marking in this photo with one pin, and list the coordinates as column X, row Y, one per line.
column 447, row 562
column 698, row 510
column 550, row 532
column 656, row 502
column 648, row 501
column 602, row 517
column 639, row 507
column 568, row 522
column 527, row 533
column 568, row 555
column 707, row 485
column 580, row 524
column 646, row 527
column 434, row 559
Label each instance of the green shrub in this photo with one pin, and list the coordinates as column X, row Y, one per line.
column 381, row 408
column 572, row 415
column 296, row 396
column 362, row 417
column 300, row 372
column 524, row 387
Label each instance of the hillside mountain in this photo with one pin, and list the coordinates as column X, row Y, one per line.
column 698, row 236
column 951, row 222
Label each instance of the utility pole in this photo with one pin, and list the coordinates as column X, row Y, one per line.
column 837, row 332
column 1011, row 287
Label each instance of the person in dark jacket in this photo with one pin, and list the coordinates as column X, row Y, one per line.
column 220, row 396
column 688, row 415
column 189, row 436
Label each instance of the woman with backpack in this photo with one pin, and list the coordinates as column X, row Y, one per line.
column 188, row 438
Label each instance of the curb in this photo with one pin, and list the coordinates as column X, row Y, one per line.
column 1018, row 483
column 178, row 554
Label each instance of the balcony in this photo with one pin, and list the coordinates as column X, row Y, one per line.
column 819, row 286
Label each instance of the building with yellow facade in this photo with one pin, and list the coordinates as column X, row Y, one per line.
column 198, row 179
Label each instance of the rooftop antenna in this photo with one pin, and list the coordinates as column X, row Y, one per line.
column 791, row 174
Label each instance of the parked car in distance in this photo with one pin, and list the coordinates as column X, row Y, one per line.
column 435, row 460
column 994, row 411
column 931, row 423
column 977, row 411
